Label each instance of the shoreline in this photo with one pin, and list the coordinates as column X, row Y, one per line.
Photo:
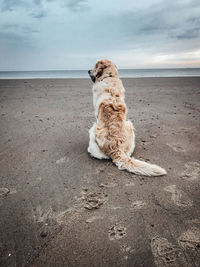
column 123, row 73
column 84, row 78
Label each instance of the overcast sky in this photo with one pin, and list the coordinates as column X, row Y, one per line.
column 73, row 34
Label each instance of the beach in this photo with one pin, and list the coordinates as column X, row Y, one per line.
column 60, row 207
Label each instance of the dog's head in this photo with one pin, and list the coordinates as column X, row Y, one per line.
column 103, row 68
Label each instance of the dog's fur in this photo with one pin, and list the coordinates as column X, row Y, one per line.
column 112, row 136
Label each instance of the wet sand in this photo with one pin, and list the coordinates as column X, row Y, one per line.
column 60, row 207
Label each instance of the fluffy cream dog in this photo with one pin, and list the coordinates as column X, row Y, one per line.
column 112, row 136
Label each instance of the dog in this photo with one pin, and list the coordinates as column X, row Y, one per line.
column 112, row 135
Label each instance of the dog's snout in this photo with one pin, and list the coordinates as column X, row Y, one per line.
column 93, row 78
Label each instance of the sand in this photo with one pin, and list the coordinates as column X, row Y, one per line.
column 60, row 207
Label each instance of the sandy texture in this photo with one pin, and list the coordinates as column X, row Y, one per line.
column 59, row 207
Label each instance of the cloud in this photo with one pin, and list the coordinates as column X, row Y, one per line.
column 77, row 5
column 38, row 14
column 163, row 20
column 33, row 8
column 189, row 34
column 73, row 34
column 10, row 5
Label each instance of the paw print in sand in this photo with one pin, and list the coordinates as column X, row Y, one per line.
column 116, row 232
column 94, row 200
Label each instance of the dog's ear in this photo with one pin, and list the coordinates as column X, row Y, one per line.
column 101, row 65
column 100, row 68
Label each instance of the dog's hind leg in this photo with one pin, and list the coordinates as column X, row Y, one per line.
column 130, row 129
column 93, row 148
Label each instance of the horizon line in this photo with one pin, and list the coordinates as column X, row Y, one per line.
column 87, row 70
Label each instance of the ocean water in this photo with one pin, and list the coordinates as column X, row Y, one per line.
column 124, row 73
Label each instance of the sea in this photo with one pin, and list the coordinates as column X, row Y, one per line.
column 123, row 73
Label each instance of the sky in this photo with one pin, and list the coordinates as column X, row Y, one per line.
column 74, row 34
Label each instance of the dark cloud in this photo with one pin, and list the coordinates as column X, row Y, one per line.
column 37, row 2
column 9, row 5
column 72, row 5
column 34, row 8
column 77, row 5
column 163, row 20
column 189, row 34
column 38, row 14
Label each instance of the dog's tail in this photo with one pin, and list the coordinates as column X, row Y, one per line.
column 125, row 162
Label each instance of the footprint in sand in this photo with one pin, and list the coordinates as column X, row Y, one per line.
column 192, row 171
column 166, row 254
column 137, row 205
column 190, row 244
column 178, row 196
column 116, row 232
column 41, row 215
column 44, row 215
column 190, row 239
column 176, row 147
column 93, row 200
column 4, row 191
